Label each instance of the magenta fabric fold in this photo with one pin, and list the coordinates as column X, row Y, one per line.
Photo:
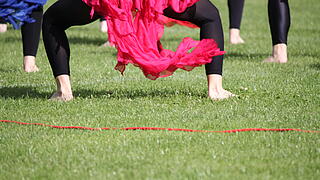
column 135, row 28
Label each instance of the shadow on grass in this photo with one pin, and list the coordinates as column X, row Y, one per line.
column 135, row 93
column 9, row 70
column 22, row 93
column 72, row 40
column 250, row 56
column 315, row 66
column 262, row 56
column 31, row 92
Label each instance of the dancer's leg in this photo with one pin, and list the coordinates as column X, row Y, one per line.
column 3, row 25
column 235, row 16
column 59, row 17
column 279, row 21
column 205, row 15
column 103, row 25
column 30, row 40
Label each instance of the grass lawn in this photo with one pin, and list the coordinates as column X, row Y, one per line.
column 270, row 96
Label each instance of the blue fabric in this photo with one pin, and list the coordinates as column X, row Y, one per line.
column 17, row 12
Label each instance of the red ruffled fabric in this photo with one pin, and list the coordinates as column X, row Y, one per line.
column 168, row 22
column 135, row 28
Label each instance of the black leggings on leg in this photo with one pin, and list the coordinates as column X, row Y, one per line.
column 205, row 15
column 66, row 13
column 235, row 13
column 30, row 33
column 2, row 21
column 59, row 17
column 279, row 20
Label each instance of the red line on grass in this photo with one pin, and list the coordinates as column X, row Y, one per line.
column 163, row 129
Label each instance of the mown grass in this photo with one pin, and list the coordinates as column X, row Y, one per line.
column 270, row 96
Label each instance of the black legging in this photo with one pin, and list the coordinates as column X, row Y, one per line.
column 2, row 21
column 235, row 13
column 278, row 13
column 66, row 13
column 31, row 33
column 279, row 20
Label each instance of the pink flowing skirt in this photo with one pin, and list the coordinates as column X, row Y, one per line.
column 135, row 27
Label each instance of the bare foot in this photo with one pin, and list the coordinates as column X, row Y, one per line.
column 272, row 59
column 29, row 64
column 221, row 94
column 234, row 36
column 64, row 92
column 215, row 90
column 59, row 96
column 279, row 54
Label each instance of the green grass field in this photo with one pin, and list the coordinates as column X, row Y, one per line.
column 270, row 96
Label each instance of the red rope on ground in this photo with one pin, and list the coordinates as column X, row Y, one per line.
column 164, row 129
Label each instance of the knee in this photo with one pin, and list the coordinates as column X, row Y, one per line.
column 213, row 13
column 46, row 21
column 49, row 22
column 208, row 14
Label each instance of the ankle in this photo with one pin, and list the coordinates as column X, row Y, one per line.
column 234, row 36
column 279, row 52
column 64, row 84
column 279, row 49
column 29, row 64
column 234, row 32
column 29, row 60
column 214, row 83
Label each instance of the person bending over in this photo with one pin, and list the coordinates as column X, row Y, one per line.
column 66, row 13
